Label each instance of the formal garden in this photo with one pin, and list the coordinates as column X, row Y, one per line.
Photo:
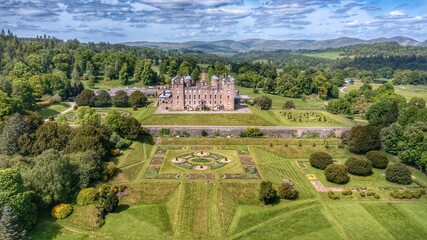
column 167, row 196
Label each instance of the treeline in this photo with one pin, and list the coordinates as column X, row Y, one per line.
column 47, row 163
column 45, row 69
column 403, row 124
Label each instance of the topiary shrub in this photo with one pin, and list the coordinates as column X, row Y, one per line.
column 62, row 211
column 407, row 194
column 376, row 196
column 332, row 195
column 347, row 192
column 398, row 173
column 358, row 166
column 363, row 139
column 320, row 160
column 362, row 194
column 86, row 196
column 378, row 159
column 337, row 173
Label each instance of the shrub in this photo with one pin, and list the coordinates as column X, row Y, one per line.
column 364, row 139
column 165, row 132
column 204, row 133
column 62, row 211
column 287, row 190
column 358, row 166
column 347, row 192
column 407, row 194
column 263, row 102
column 288, row 105
column 252, row 132
column 370, row 194
column 255, row 90
column 398, row 173
column 337, row 173
column 378, row 159
column 376, row 196
column 108, row 170
column 362, row 194
column 320, row 160
column 86, row 196
column 332, row 195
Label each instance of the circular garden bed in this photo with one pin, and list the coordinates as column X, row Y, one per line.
column 200, row 161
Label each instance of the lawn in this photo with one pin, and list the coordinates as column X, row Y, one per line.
column 206, row 119
column 229, row 208
column 408, row 91
column 312, row 101
column 327, row 55
column 303, row 118
column 53, row 109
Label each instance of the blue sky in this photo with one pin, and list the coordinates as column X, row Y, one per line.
column 185, row 20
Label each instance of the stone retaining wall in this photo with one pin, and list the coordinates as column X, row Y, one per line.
column 234, row 131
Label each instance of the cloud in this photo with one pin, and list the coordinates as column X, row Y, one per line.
column 393, row 15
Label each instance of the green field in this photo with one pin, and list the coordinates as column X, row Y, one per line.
column 218, row 208
column 312, row 101
column 53, row 109
column 327, row 55
column 408, row 91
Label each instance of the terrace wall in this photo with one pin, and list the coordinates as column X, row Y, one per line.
column 234, row 131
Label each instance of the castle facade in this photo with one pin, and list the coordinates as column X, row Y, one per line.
column 218, row 95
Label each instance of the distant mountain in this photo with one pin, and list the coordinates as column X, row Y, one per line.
column 271, row 45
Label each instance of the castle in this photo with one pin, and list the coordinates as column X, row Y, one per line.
column 219, row 95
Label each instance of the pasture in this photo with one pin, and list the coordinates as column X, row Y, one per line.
column 179, row 203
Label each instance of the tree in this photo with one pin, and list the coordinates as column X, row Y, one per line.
column 288, row 105
column 127, row 127
column 364, row 139
column 195, row 74
column 13, row 194
column 337, row 173
column 87, row 165
column 51, row 177
column 103, row 99
column 121, row 99
column 398, row 173
column 14, row 127
column 287, row 190
column 23, row 90
column 124, row 74
column 266, row 192
column 89, row 137
column 148, row 76
column 320, row 160
column 87, row 115
column 382, row 114
column 86, row 98
column 392, row 135
column 8, row 105
column 378, row 159
column 138, row 99
column 263, row 102
column 10, row 228
column 359, row 166
column 107, row 198
column 184, row 69
column 322, row 85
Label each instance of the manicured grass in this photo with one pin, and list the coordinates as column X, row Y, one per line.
column 206, row 119
column 312, row 101
column 53, row 109
column 303, row 118
column 229, row 208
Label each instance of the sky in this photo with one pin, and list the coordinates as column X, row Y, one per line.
column 118, row 21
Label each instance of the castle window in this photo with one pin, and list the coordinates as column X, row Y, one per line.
column 194, row 102
column 215, row 96
column 220, row 96
column 177, row 97
column 199, row 96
